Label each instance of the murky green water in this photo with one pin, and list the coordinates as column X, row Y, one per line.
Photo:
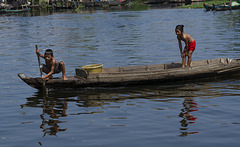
column 196, row 113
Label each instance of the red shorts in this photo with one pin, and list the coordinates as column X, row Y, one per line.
column 191, row 46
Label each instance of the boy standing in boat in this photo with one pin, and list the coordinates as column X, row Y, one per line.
column 51, row 66
column 189, row 48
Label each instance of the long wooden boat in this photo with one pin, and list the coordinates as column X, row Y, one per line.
column 222, row 7
column 16, row 11
column 135, row 75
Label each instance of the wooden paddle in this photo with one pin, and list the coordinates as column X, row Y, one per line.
column 41, row 72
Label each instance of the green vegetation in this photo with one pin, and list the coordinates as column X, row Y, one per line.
column 79, row 8
column 138, row 1
column 138, row 7
column 200, row 5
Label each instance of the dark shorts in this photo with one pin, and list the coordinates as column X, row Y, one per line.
column 57, row 69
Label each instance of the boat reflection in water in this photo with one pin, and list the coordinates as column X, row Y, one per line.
column 184, row 96
column 52, row 110
column 188, row 106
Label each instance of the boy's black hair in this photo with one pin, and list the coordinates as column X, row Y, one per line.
column 48, row 52
column 179, row 27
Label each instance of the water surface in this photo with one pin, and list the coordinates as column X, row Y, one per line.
column 197, row 113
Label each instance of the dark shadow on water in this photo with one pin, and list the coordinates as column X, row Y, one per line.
column 89, row 10
column 54, row 103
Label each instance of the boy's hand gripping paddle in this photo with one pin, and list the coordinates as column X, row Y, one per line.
column 41, row 73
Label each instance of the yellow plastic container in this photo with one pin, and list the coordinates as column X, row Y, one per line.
column 93, row 68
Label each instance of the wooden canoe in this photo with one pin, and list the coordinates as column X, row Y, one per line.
column 135, row 75
column 17, row 11
column 221, row 7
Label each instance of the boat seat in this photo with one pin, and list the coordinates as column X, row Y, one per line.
column 80, row 73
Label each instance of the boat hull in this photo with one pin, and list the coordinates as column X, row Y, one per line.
column 135, row 75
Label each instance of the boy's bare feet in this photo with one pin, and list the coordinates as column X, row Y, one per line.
column 65, row 78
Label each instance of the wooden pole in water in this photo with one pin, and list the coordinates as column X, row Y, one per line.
column 41, row 72
column 230, row 5
column 47, row 4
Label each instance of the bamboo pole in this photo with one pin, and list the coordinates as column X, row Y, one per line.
column 41, row 72
column 230, row 5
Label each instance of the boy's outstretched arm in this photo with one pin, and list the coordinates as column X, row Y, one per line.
column 38, row 53
column 180, row 47
column 51, row 72
column 186, row 43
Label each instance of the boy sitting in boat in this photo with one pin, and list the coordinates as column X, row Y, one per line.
column 189, row 42
column 51, row 66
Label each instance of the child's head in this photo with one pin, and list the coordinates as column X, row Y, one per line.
column 48, row 52
column 179, row 29
column 48, row 55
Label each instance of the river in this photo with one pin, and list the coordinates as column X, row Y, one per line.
column 190, row 113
